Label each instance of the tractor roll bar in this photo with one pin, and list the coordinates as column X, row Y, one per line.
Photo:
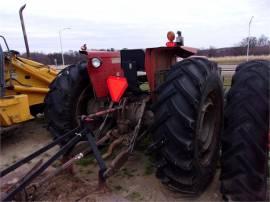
column 5, row 41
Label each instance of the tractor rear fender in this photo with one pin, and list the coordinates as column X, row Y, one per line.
column 159, row 60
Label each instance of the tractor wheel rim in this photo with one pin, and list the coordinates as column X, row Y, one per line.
column 80, row 102
column 207, row 131
column 86, row 99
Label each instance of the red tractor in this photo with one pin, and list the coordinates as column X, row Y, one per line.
column 182, row 107
column 118, row 97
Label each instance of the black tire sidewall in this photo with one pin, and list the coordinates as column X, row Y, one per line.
column 177, row 110
column 212, row 84
column 75, row 79
column 245, row 134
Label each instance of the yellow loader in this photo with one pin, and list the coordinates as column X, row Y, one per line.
column 23, row 85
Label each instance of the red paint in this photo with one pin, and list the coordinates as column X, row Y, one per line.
column 155, row 59
column 117, row 87
column 170, row 44
column 111, row 65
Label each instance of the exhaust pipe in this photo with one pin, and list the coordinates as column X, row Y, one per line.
column 24, row 32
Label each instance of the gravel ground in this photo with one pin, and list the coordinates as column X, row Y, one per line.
column 134, row 182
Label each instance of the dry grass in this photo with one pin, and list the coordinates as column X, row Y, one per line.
column 232, row 60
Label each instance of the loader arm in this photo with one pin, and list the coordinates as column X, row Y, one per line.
column 25, row 84
column 24, row 76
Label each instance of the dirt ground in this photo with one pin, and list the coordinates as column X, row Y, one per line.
column 134, row 182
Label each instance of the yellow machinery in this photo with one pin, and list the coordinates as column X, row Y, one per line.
column 23, row 86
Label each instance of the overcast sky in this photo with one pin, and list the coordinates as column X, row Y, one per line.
column 131, row 24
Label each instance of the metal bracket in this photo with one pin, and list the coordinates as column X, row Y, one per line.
column 100, row 161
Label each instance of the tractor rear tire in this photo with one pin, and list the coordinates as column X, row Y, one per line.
column 188, row 124
column 246, row 125
column 67, row 98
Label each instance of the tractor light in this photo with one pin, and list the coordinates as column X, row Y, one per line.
column 171, row 37
column 96, row 62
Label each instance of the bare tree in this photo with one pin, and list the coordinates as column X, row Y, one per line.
column 255, row 42
column 263, row 41
column 212, row 51
column 252, row 42
column 71, row 57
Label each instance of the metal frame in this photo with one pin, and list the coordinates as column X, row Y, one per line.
column 5, row 41
column 36, row 153
column 76, row 135
column 37, row 171
column 80, row 132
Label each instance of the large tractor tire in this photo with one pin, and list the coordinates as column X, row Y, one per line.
column 246, row 125
column 188, row 120
column 68, row 98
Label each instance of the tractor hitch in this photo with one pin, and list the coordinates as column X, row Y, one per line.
column 24, row 184
column 30, row 176
column 122, row 134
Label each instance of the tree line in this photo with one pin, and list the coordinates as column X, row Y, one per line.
column 70, row 57
column 258, row 46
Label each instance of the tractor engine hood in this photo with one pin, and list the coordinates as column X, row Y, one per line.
column 103, row 54
column 101, row 65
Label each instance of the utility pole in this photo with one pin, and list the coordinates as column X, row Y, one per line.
column 249, row 24
column 61, row 46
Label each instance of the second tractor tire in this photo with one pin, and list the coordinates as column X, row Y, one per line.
column 188, row 125
column 244, row 159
